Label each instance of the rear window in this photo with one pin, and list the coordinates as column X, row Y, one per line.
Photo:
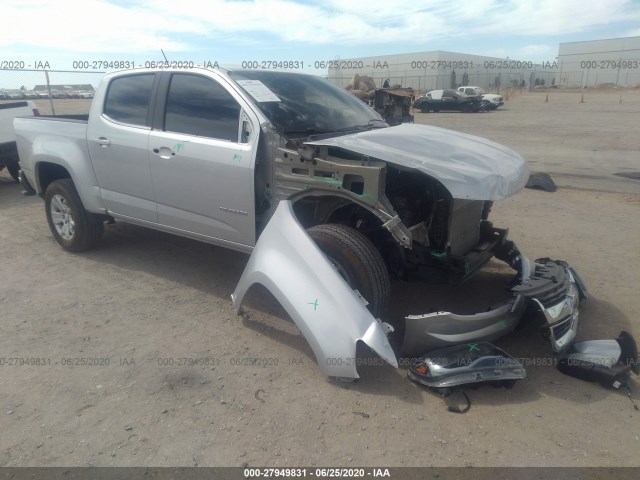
column 128, row 99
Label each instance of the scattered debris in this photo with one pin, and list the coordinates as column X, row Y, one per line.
column 541, row 181
column 456, row 408
column 605, row 361
column 257, row 394
column 466, row 364
column 362, row 414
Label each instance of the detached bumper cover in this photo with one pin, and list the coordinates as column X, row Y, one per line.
column 551, row 284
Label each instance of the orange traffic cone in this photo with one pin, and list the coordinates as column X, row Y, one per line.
column 546, row 99
column 582, row 98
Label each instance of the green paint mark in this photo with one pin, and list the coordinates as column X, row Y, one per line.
column 327, row 180
column 439, row 254
column 178, row 147
column 237, row 157
column 502, row 324
column 473, row 346
column 315, row 305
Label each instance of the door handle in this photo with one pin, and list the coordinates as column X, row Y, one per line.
column 102, row 141
column 164, row 152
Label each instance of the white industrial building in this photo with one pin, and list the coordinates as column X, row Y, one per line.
column 425, row 71
column 578, row 65
column 614, row 61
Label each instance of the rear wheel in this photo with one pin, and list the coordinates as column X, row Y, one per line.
column 357, row 261
column 424, row 108
column 72, row 226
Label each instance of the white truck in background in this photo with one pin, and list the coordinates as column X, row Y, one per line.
column 494, row 100
column 8, row 149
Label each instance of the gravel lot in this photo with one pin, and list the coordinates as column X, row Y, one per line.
column 145, row 299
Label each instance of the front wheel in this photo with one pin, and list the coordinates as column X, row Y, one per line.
column 72, row 226
column 357, row 261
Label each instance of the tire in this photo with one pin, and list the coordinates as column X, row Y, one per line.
column 72, row 226
column 424, row 108
column 357, row 261
column 14, row 168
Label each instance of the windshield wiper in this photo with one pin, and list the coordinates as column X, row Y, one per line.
column 360, row 128
column 305, row 131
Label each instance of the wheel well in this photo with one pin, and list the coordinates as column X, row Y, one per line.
column 48, row 172
column 311, row 211
column 317, row 210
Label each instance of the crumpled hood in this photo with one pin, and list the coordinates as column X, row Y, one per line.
column 469, row 167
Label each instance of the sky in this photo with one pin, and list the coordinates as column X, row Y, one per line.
column 234, row 31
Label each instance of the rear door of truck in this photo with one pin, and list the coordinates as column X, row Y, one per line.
column 203, row 157
column 118, row 140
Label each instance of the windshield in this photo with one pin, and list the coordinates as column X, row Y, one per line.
column 308, row 105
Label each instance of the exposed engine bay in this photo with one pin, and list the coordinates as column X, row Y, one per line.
column 422, row 197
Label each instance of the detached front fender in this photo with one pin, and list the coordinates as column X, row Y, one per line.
column 330, row 315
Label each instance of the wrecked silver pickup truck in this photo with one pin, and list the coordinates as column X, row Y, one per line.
column 329, row 200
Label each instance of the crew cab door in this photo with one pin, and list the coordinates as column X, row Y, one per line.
column 203, row 148
column 118, row 136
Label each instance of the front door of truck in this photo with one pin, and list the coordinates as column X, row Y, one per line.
column 203, row 148
column 118, row 140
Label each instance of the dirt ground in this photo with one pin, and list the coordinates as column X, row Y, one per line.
column 173, row 386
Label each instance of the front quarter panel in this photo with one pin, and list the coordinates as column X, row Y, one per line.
column 327, row 311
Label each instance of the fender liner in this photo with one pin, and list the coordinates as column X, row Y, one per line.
column 330, row 315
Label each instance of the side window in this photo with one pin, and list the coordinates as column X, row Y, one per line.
column 447, row 95
column 128, row 99
column 470, row 91
column 200, row 106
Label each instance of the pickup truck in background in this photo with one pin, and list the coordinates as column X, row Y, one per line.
column 327, row 198
column 8, row 149
column 494, row 101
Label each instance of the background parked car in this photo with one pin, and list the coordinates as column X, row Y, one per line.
column 14, row 94
column 438, row 100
